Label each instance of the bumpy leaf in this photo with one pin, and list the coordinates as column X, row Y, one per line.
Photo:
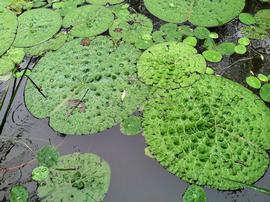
column 48, row 156
column 194, row 193
column 262, row 18
column 265, row 92
column 171, row 65
column 131, row 125
column 104, row 2
column 37, row 26
column 206, row 13
column 212, row 56
column 19, row 193
column 83, row 176
column 40, row 173
column 52, row 44
column 213, row 130
column 84, row 86
column 87, row 21
column 133, row 29
column 8, row 27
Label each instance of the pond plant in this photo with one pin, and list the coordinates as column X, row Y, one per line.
column 94, row 64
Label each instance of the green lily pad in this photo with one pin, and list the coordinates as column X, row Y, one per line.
column 66, row 6
column 263, row 78
column 244, row 41
column 132, row 125
column 48, row 156
column 132, row 29
column 253, row 82
column 206, row 13
column 254, row 32
column 18, row 6
column 194, row 193
column 19, row 193
column 52, row 44
column 226, row 48
column 85, row 84
column 265, row 92
column 213, row 130
column 104, row 2
column 171, row 65
column 201, row 32
column 85, row 177
column 88, row 21
column 190, row 40
column 40, row 173
column 247, row 18
column 262, row 18
column 36, row 26
column 8, row 61
column 212, row 56
column 8, row 27
column 167, row 32
column 240, row 49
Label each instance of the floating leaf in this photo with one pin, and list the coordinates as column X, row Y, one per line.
column 190, row 40
column 254, row 32
column 212, row 56
column 40, row 173
column 201, row 32
column 205, row 13
column 48, row 156
column 131, row 125
column 253, row 82
column 104, row 2
column 240, row 49
column 265, row 92
column 87, row 21
column 8, row 27
column 84, row 176
column 133, row 29
column 244, row 41
column 37, row 26
column 212, row 129
column 262, row 18
column 194, row 193
column 84, row 84
column 213, row 35
column 171, row 65
column 247, row 18
column 19, row 193
column 263, row 78
column 226, row 48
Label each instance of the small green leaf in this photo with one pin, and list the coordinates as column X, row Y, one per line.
column 244, row 41
column 212, row 56
column 226, row 48
column 201, row 32
column 19, row 193
column 194, row 193
column 131, row 125
column 48, row 156
column 213, row 35
column 240, row 49
column 209, row 70
column 190, row 40
column 265, row 92
column 247, row 18
column 40, row 173
column 253, row 82
column 263, row 78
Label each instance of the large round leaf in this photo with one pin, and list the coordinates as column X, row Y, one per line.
column 210, row 133
column 89, row 20
column 206, row 13
column 85, row 85
column 171, row 65
column 37, row 26
column 8, row 27
column 84, row 177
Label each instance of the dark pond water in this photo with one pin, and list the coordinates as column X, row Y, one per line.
column 135, row 177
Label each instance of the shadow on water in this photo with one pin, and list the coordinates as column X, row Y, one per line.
column 135, row 177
